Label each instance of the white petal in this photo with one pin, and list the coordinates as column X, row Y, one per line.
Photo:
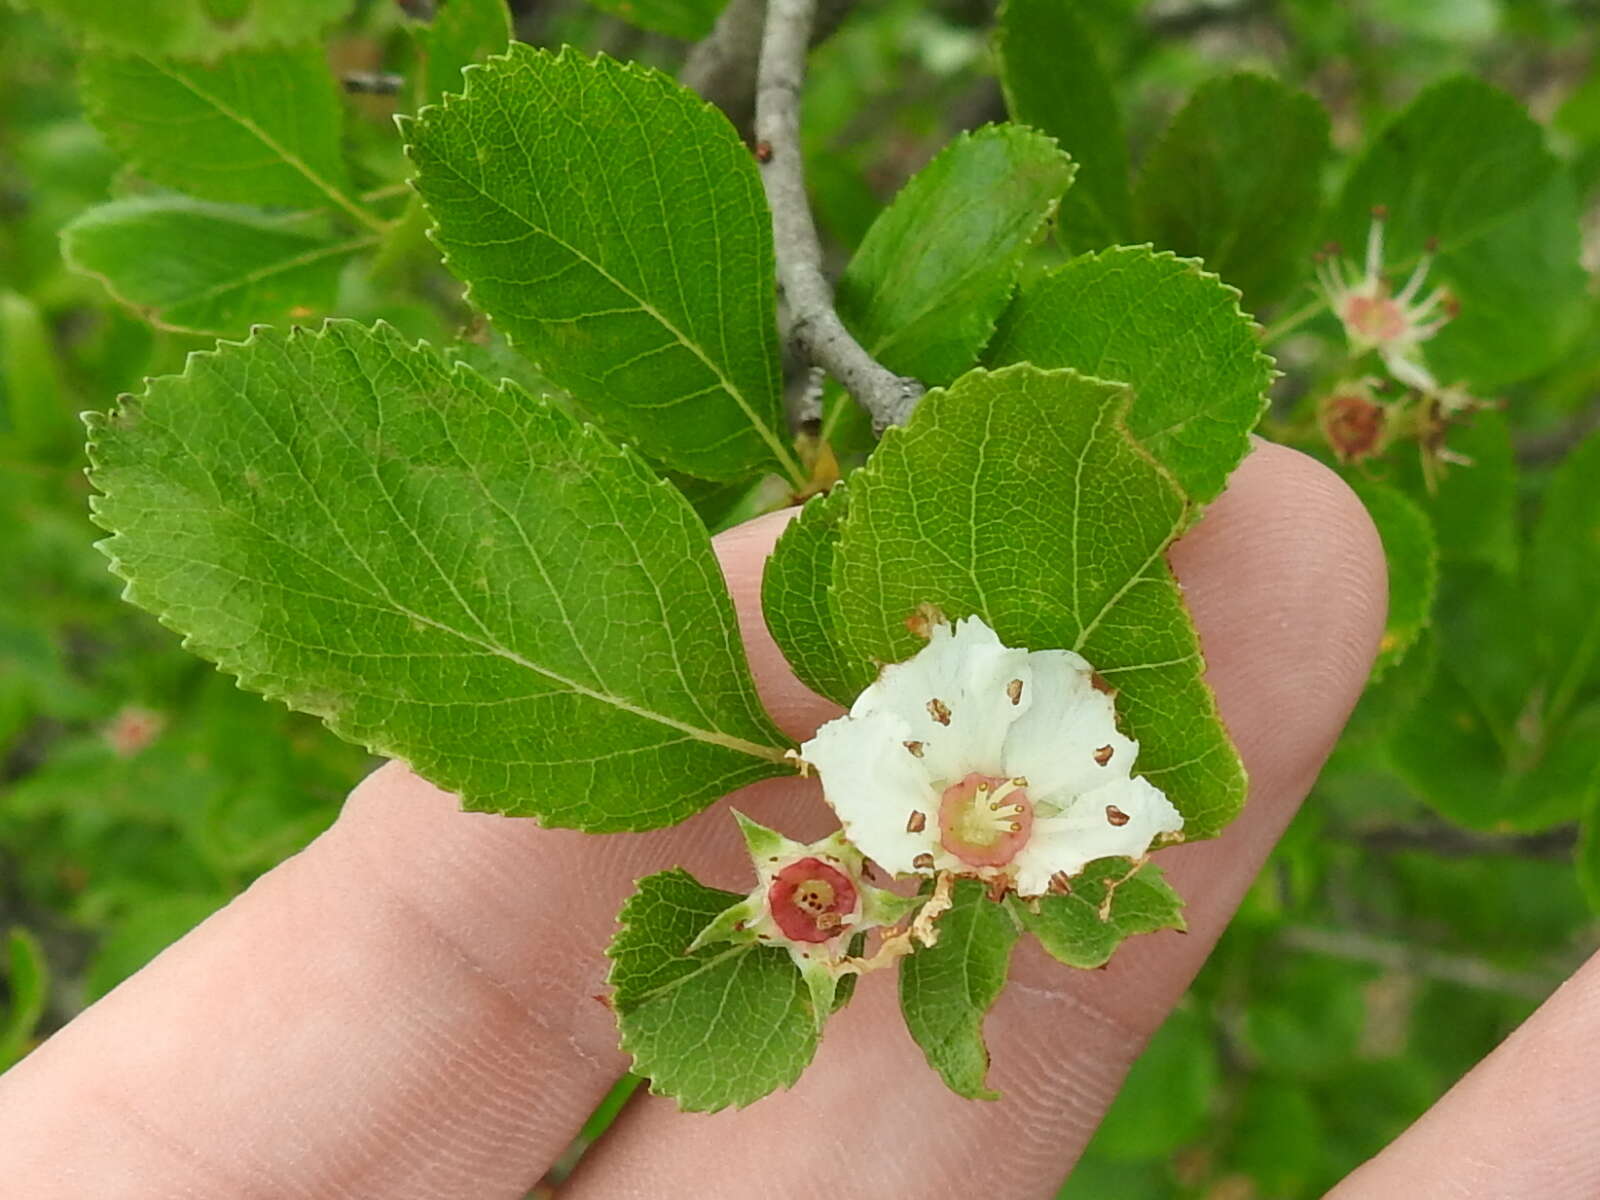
column 1058, row 744
column 874, row 784
column 956, row 697
column 1087, row 830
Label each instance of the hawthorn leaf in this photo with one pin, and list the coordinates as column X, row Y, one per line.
column 1053, row 80
column 1413, row 561
column 35, row 405
column 1236, row 180
column 27, row 979
column 190, row 29
column 254, row 127
column 689, row 20
column 461, row 32
column 1588, row 846
column 799, row 607
column 1473, row 509
column 197, row 267
column 723, row 1025
column 1562, row 580
column 1465, row 168
column 1072, row 928
column 1019, row 496
column 936, row 268
column 445, row 571
column 613, row 225
column 947, row 989
column 1169, row 328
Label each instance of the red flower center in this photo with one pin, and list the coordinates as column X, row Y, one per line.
column 984, row 820
column 1377, row 318
column 811, row 901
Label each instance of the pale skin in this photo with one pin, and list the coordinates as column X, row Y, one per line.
column 409, row 1008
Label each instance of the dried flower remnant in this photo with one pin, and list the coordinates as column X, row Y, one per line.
column 1395, row 324
column 1021, row 760
column 1354, row 421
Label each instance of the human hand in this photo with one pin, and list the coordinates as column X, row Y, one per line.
column 412, row 1007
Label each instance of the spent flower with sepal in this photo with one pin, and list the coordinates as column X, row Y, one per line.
column 814, row 901
column 977, row 759
column 1374, row 317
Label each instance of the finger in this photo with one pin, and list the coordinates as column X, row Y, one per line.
column 410, row 1008
column 1285, row 579
column 1524, row 1122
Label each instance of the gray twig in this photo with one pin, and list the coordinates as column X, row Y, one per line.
column 814, row 326
column 722, row 65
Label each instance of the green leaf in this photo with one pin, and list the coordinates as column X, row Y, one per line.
column 1053, row 80
column 1236, row 180
column 1588, row 847
column 445, row 571
column 620, row 239
column 185, row 27
column 1072, row 928
column 37, row 412
column 256, row 127
column 938, row 265
column 196, row 267
column 723, row 1026
column 1170, row 329
column 799, row 607
column 1473, row 508
column 1167, row 1096
column 1413, row 561
column 947, row 989
column 686, row 19
column 1018, row 496
column 461, row 32
column 1562, row 579
column 1464, row 167
column 27, row 982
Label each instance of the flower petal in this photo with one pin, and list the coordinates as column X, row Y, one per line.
column 1117, row 820
column 874, row 784
column 1067, row 742
column 958, row 696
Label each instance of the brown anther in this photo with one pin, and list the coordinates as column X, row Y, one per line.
column 916, row 822
column 1116, row 816
column 1060, row 884
column 1014, row 690
column 1015, row 827
column 923, row 862
column 1103, row 755
column 939, row 711
column 763, row 152
column 829, row 920
column 914, row 747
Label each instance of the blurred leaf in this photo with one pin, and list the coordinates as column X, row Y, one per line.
column 1166, row 1100
column 255, row 127
column 938, row 265
column 1413, row 562
column 1054, row 81
column 1168, row 328
column 686, row 19
column 187, row 27
column 461, row 32
column 1277, row 1138
column 1071, row 928
column 197, row 267
column 1236, row 180
column 38, row 419
column 1589, row 844
column 947, row 989
column 583, row 251
column 27, row 985
column 976, row 507
column 144, row 933
column 435, row 603
column 1563, row 578
column 723, row 1025
column 1464, row 168
column 1306, row 1017
column 1474, row 508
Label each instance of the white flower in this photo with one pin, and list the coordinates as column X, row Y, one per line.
column 983, row 760
column 1395, row 325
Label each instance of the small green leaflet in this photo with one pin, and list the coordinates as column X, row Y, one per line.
column 1053, row 80
column 723, row 1026
column 217, row 269
column 947, row 989
column 799, row 608
column 1018, row 495
column 1413, row 560
column 1236, row 180
column 938, row 265
column 1465, row 168
column 1081, row 930
column 445, row 571
column 613, row 225
column 1167, row 327
column 191, row 28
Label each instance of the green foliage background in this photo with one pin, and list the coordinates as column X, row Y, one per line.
column 1445, row 872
